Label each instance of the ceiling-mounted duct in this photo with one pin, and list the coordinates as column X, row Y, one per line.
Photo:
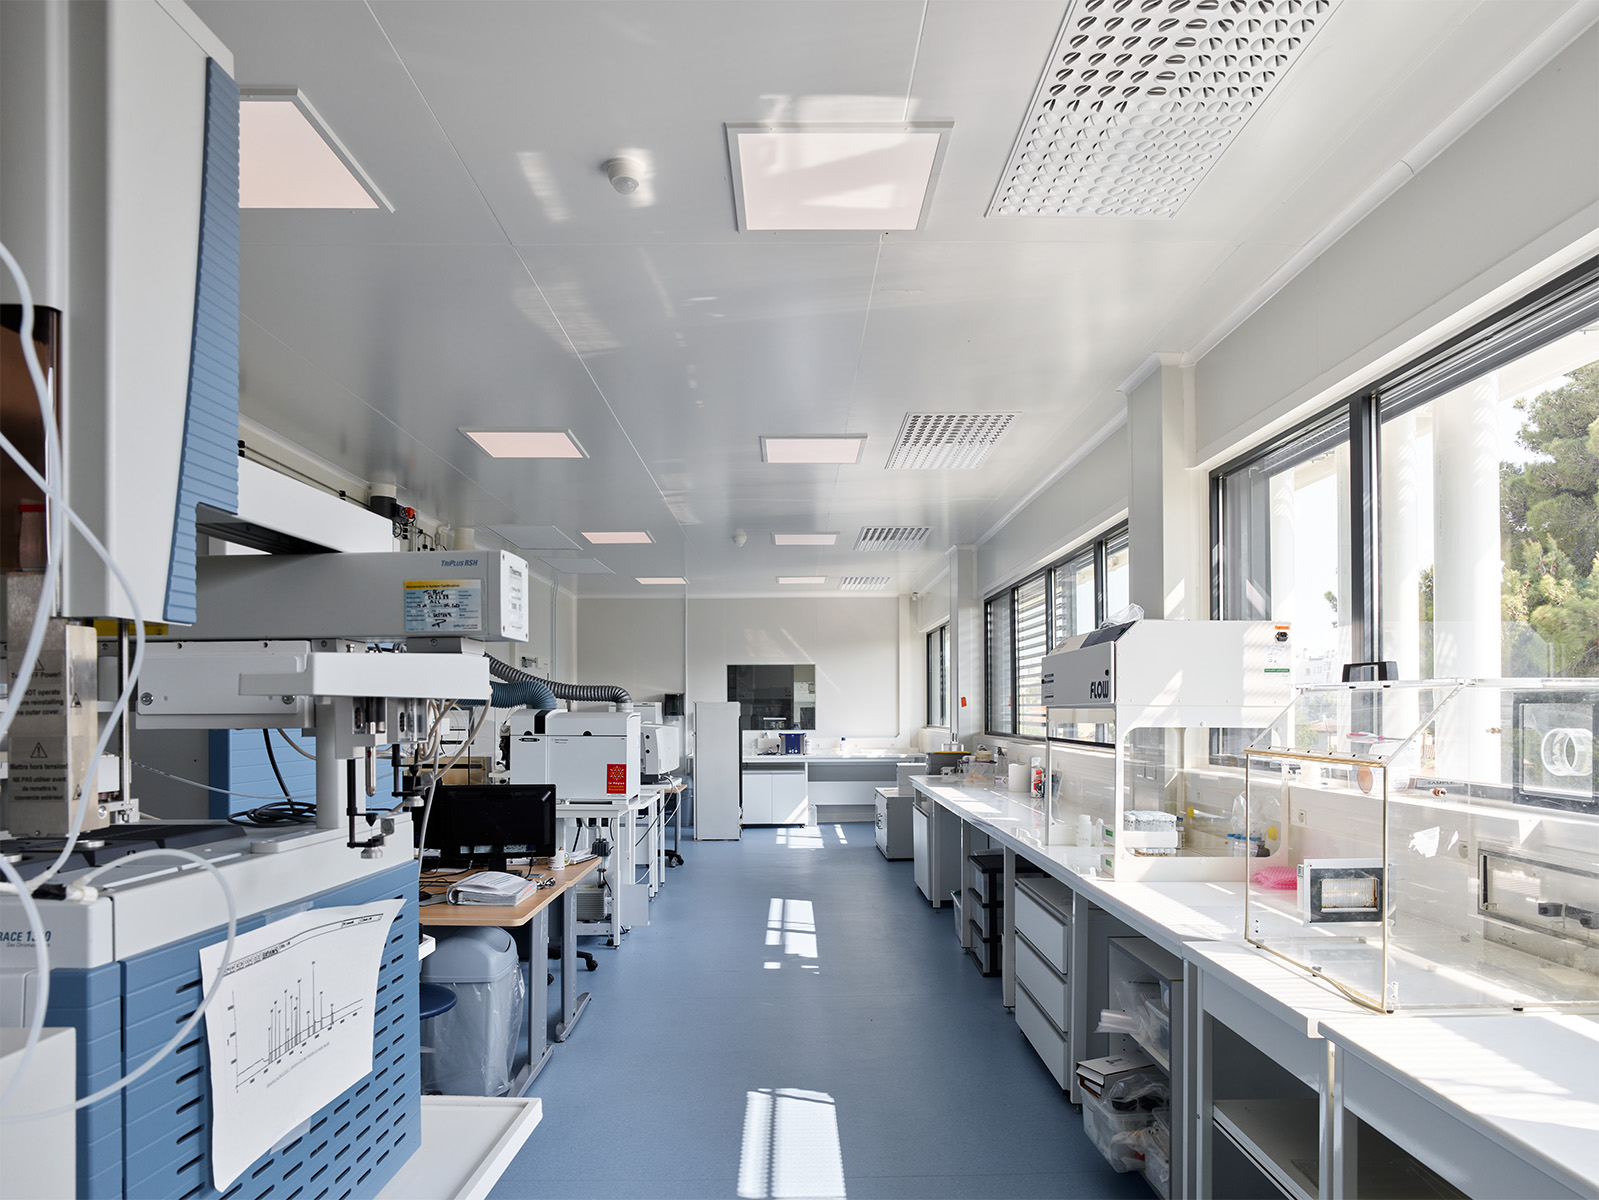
column 891, row 537
column 1139, row 98
column 946, row 441
column 863, row 583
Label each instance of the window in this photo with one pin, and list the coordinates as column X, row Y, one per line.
column 1032, row 641
column 1284, row 512
column 1446, row 519
column 938, row 677
column 1025, row 622
column 1001, row 699
column 1118, row 574
column 1489, row 524
column 1075, row 602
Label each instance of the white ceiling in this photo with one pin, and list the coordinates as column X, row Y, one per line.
column 511, row 287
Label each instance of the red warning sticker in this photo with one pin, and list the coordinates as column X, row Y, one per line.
column 616, row 779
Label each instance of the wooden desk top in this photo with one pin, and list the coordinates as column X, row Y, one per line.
column 499, row 915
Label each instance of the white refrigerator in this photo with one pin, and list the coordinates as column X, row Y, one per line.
column 718, row 771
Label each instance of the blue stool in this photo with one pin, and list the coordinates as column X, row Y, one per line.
column 434, row 999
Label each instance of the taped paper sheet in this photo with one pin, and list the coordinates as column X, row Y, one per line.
column 291, row 1027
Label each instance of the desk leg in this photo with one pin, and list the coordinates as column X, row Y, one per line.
column 1203, row 1092
column 1338, row 1149
column 933, row 840
column 622, row 860
column 538, row 999
column 1007, row 953
column 960, row 880
column 572, row 1004
column 656, row 843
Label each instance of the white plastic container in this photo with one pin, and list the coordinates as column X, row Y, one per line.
column 1101, row 1123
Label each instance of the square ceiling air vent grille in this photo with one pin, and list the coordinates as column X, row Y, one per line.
column 1139, row 99
column 946, row 441
column 891, row 537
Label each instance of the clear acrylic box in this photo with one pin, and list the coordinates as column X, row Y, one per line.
column 1431, row 845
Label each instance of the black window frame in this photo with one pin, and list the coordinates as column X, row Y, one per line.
column 938, row 690
column 1003, row 603
column 1565, row 304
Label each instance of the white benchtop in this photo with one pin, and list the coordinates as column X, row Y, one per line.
column 1169, row 914
column 1525, row 1081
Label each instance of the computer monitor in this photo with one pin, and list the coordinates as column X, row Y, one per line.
column 489, row 826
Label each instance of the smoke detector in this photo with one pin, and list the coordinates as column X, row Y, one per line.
column 946, row 441
column 625, row 174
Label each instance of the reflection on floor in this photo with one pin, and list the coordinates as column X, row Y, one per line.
column 800, row 1025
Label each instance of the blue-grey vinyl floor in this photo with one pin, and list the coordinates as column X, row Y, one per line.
column 796, row 1021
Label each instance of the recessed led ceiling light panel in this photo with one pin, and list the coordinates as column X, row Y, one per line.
column 835, row 176
column 526, row 443
column 661, row 580
column 1138, row 101
column 802, row 579
column 812, row 449
column 577, row 566
column 946, row 441
column 863, row 583
column 619, row 538
column 534, row 537
column 290, row 158
column 804, row 539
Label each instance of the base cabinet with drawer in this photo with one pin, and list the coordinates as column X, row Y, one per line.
column 1043, row 971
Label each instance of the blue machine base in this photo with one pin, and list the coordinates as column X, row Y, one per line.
column 154, row 1141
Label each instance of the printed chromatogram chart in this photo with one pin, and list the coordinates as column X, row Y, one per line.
column 291, row 1027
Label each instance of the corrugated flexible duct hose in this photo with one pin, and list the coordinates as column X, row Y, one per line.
column 513, row 686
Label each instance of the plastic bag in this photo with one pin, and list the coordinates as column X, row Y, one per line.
column 1139, row 1089
column 471, row 1050
column 1131, row 1148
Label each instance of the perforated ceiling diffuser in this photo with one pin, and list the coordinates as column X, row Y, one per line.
column 1140, row 98
column 863, row 583
column 931, row 441
column 891, row 537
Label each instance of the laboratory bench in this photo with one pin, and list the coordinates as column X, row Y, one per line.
column 794, row 789
column 1279, row 1082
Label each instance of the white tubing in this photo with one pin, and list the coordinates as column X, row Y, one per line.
column 194, row 1019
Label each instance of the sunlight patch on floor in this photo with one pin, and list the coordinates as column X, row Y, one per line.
column 791, row 924
column 791, row 1147
column 800, row 837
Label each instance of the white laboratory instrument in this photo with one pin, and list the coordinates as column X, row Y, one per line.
column 663, row 749
column 1147, row 724
column 373, row 597
column 586, row 755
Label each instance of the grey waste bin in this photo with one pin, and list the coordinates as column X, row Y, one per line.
column 470, row 1050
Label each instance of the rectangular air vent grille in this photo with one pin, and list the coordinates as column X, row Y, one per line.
column 1139, row 99
column 892, row 537
column 863, row 583
column 946, row 441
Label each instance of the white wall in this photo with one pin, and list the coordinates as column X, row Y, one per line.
column 1519, row 187
column 866, row 651
column 854, row 642
column 1088, row 498
column 636, row 643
